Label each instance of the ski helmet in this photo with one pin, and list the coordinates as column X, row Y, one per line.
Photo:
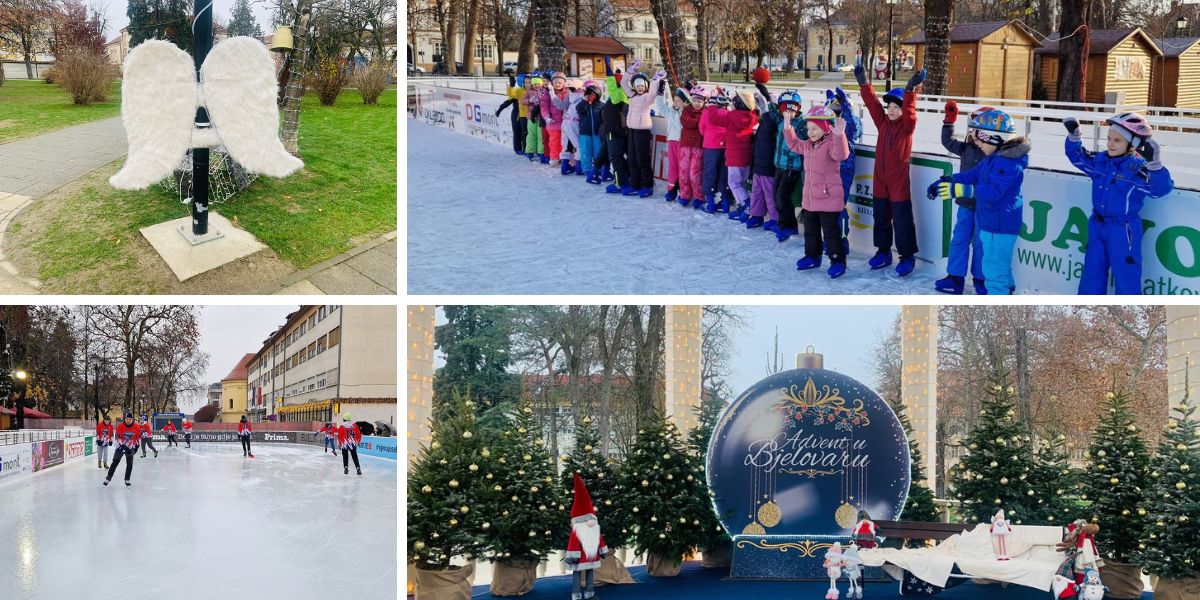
column 699, row 91
column 346, row 417
column 640, row 78
column 1132, row 126
column 521, row 80
column 593, row 88
column 790, row 99
column 185, row 420
column 720, row 99
column 575, row 84
column 683, row 94
column 992, row 127
column 822, row 116
column 895, row 96
column 559, row 75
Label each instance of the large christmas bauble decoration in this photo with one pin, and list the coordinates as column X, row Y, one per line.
column 762, row 75
column 802, row 451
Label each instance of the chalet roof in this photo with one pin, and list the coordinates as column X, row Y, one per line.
column 1173, row 47
column 1101, row 41
column 973, row 32
column 594, row 45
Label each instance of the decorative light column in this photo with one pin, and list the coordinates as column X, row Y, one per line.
column 919, row 380
column 683, row 366
column 1183, row 340
column 420, row 376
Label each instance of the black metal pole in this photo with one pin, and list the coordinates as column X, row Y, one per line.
column 202, row 34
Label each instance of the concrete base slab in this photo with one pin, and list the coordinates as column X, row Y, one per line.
column 195, row 240
column 188, row 261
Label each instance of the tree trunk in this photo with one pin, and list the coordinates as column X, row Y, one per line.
column 1024, row 391
column 647, row 355
column 450, row 40
column 829, row 32
column 702, row 39
column 938, row 16
column 673, row 46
column 548, row 402
column 525, row 50
column 608, row 358
column 550, row 18
column 577, row 16
column 1073, row 51
column 469, row 45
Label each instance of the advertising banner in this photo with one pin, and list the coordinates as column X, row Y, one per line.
column 47, row 454
column 383, row 447
column 89, row 447
column 15, row 462
column 288, row 437
column 465, row 111
column 76, row 447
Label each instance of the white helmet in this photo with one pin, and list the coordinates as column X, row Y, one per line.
column 185, row 420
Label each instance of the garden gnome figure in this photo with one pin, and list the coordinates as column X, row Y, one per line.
column 864, row 531
column 586, row 546
column 1000, row 531
column 833, row 566
column 853, row 572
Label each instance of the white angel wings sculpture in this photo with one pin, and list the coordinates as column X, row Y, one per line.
column 159, row 97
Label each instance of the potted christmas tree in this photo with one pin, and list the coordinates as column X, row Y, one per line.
column 919, row 506
column 658, row 490
column 1055, row 483
column 717, row 546
column 1168, row 546
column 587, row 459
column 448, row 488
column 526, row 512
column 1114, row 476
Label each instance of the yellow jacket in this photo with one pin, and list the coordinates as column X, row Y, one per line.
column 516, row 93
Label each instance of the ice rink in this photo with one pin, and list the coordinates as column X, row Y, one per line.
column 203, row 523
column 483, row 221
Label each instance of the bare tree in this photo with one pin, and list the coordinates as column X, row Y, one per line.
column 1073, row 50
column 549, row 24
column 648, row 338
column 134, row 329
column 611, row 343
column 673, row 42
column 25, row 28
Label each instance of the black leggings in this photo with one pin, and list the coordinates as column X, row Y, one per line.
column 641, row 171
column 171, row 440
column 818, row 223
column 245, row 443
column 786, row 181
column 117, row 460
column 187, row 438
column 353, row 452
column 148, row 443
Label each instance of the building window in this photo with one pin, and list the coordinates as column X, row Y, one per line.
column 841, row 58
column 321, row 383
column 231, row 404
column 312, row 321
column 335, row 336
column 841, row 40
column 321, row 343
column 628, row 24
column 312, row 349
column 484, row 51
column 820, row 40
column 302, row 357
column 303, row 330
column 648, row 25
column 332, row 377
column 321, row 313
column 712, row 56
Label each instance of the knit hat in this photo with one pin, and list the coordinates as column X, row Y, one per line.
column 835, row 551
column 536, row 80
column 582, row 509
column 346, row 417
column 128, row 415
column 822, row 116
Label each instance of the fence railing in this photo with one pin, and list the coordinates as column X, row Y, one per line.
column 28, row 436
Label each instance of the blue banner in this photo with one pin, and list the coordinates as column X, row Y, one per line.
column 383, row 447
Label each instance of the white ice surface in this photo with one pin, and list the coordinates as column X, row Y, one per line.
column 203, row 523
column 482, row 220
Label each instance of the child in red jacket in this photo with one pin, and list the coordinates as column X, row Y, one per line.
column 244, row 435
column 892, row 210
column 104, row 440
column 348, row 438
column 823, row 201
column 739, row 125
column 329, row 432
column 128, row 434
column 187, row 433
column 147, row 438
column 691, row 149
column 169, row 429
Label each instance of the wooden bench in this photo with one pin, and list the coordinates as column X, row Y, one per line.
column 916, row 530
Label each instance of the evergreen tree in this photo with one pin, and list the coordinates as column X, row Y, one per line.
column 449, row 491
column 995, row 472
column 242, row 21
column 1169, row 544
column 526, row 514
column 659, row 485
column 1113, row 478
column 597, row 474
column 476, row 342
column 712, row 530
column 1055, row 483
column 919, row 506
column 160, row 20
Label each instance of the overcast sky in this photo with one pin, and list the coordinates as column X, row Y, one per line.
column 222, row 9
column 227, row 333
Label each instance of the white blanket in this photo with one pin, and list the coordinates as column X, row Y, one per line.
column 1033, row 563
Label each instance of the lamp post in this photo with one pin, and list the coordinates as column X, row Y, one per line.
column 1181, row 23
column 749, row 30
column 95, row 362
column 888, row 72
column 20, row 374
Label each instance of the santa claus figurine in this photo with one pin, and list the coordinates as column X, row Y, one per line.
column 586, row 546
column 1080, row 542
column 1000, row 531
column 864, row 531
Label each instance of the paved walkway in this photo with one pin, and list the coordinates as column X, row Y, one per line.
column 36, row 166
column 367, row 269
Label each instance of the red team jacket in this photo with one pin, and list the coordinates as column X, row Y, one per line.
column 348, row 436
column 187, row 428
column 328, row 431
column 146, row 432
column 169, row 428
column 104, row 434
column 243, row 428
column 127, row 435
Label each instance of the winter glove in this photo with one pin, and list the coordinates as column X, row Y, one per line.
column 1151, row 152
column 661, row 75
column 917, row 79
column 498, row 111
column 932, row 191
column 662, row 86
column 689, row 84
column 512, row 81
column 951, row 191
column 1072, row 125
column 860, row 74
column 762, row 89
column 549, row 120
column 951, row 112
column 967, row 203
column 634, row 69
column 842, row 98
column 608, row 66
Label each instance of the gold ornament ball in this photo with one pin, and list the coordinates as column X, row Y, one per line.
column 453, row 522
column 521, row 472
column 645, row 483
column 532, row 534
column 564, row 458
column 994, row 464
column 1181, row 447
column 670, row 477
column 542, row 507
column 591, row 462
column 997, row 501
column 454, row 483
column 1114, row 481
column 689, row 477
column 1110, row 396
column 426, row 490
column 666, row 456
column 1099, row 467
column 473, row 467
column 464, row 509
column 635, row 509
column 533, row 489
column 528, row 411
column 418, row 545
column 996, row 388
column 1141, row 546
column 527, row 457
column 662, row 536
column 1006, row 419
column 436, row 445
column 1173, row 425
column 608, row 502
column 1155, row 475
column 682, row 521
column 1030, row 493
column 1183, row 518
column 586, row 420
column 521, row 431
column 587, row 448
column 1141, row 512
column 484, row 453
column 514, row 498
column 1131, row 428
column 1003, row 481
column 549, row 480
column 1010, row 389
column 1183, row 467
column 1101, row 454
column 503, row 461
column 497, row 488
column 653, row 519
column 600, row 475
column 1181, row 485
column 488, row 476
column 1125, row 512
column 1050, row 518
column 539, row 443
column 466, row 435
column 434, row 535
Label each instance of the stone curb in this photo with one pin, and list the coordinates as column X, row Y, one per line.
column 298, row 276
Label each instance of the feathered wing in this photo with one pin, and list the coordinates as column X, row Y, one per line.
column 238, row 79
column 158, row 106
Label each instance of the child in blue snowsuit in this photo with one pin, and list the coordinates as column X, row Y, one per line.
column 836, row 100
column 1121, row 181
column 993, row 189
column 965, row 246
column 589, row 112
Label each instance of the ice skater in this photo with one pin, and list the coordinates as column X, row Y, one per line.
column 330, row 441
column 127, row 436
column 147, row 438
column 169, row 429
column 104, row 439
column 187, row 433
column 348, row 438
column 244, row 436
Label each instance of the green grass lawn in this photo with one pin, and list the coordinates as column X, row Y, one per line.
column 36, row 107
column 344, row 196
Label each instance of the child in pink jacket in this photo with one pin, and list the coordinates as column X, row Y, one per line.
column 554, row 116
column 641, row 91
column 823, row 152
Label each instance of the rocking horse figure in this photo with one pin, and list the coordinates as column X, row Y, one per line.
column 854, row 572
column 833, row 566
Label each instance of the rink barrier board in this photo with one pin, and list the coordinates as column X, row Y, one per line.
column 1049, row 254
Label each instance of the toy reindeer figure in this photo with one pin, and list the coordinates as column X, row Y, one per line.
column 833, row 566
column 853, row 572
column 1092, row 588
column 1001, row 531
column 1080, row 545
